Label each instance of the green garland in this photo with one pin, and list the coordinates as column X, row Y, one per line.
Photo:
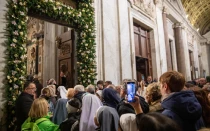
column 81, row 18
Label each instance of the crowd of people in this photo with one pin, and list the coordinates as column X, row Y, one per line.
column 172, row 104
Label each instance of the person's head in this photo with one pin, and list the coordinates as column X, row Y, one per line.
column 70, row 93
column 118, row 89
column 171, row 81
column 202, row 97
column 157, row 122
column 189, row 85
column 107, row 83
column 30, row 88
column 78, row 88
column 111, row 86
column 73, row 105
column 149, row 79
column 46, row 92
column 100, row 84
column 153, row 93
column 39, row 108
column 110, row 97
column 90, row 103
column 204, row 129
column 51, row 82
column 90, row 89
column 29, row 78
column 128, row 122
column 107, row 118
column 202, row 81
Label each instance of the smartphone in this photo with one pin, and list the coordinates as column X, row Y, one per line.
column 131, row 91
column 142, row 77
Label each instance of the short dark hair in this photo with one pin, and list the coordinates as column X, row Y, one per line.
column 27, row 83
column 109, row 82
column 155, row 121
column 100, row 82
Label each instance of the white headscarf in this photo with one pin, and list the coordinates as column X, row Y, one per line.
column 90, row 103
column 128, row 122
column 62, row 91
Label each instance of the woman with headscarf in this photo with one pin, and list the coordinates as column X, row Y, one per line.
column 60, row 112
column 110, row 97
column 106, row 119
column 90, row 103
column 128, row 122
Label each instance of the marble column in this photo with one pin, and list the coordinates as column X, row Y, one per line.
column 168, row 51
column 179, row 48
column 161, row 40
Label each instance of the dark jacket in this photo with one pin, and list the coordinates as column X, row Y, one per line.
column 22, row 108
column 66, row 125
column 183, row 108
column 124, row 108
column 79, row 95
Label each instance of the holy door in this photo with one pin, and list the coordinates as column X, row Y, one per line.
column 66, row 59
column 142, row 52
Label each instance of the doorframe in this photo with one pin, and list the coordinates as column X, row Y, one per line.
column 149, row 24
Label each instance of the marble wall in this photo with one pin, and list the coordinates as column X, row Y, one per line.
column 2, row 62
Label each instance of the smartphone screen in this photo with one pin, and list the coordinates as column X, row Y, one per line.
column 131, row 90
column 142, row 77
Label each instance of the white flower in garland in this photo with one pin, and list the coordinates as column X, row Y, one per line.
column 14, row 23
column 14, row 72
column 16, row 55
column 21, row 3
column 23, row 57
column 22, row 78
column 22, row 13
column 15, row 32
column 15, row 86
column 21, row 33
column 8, row 77
column 14, row 40
column 12, row 45
column 10, row 81
column 38, row 6
column 19, row 27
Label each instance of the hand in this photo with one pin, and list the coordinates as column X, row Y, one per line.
column 142, row 84
column 136, row 105
column 136, row 102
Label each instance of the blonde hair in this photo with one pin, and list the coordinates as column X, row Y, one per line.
column 70, row 93
column 39, row 108
column 153, row 89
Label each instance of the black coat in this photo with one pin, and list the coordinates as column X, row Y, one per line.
column 22, row 108
column 123, row 108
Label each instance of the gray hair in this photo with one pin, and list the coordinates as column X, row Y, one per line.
column 90, row 89
column 79, row 88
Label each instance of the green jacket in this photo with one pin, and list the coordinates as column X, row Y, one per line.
column 45, row 125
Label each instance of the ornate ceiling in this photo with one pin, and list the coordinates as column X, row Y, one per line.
column 198, row 12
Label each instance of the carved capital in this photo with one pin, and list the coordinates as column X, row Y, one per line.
column 165, row 10
column 177, row 25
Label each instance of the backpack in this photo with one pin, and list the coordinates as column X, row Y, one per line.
column 29, row 125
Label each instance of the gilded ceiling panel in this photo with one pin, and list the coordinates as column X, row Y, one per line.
column 198, row 12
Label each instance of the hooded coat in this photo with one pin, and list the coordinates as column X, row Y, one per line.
column 183, row 108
